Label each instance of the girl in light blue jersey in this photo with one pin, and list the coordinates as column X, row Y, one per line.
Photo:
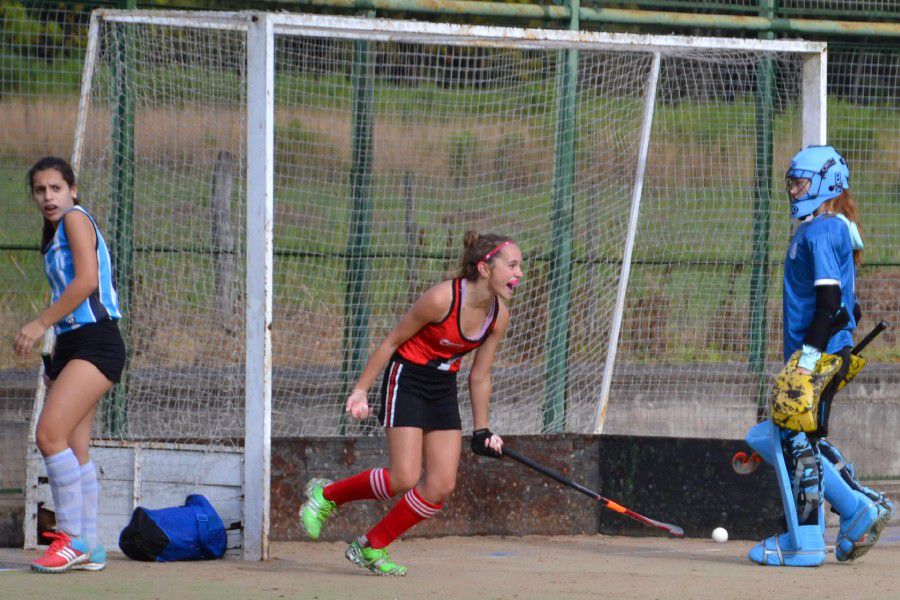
column 87, row 360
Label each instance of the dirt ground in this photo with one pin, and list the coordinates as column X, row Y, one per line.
column 485, row 568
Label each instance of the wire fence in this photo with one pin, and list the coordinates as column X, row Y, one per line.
column 41, row 58
column 851, row 10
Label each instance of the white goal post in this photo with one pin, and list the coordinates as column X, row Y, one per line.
column 460, row 114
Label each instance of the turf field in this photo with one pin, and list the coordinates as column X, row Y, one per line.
column 485, row 568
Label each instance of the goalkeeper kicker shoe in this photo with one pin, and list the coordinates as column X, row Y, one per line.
column 376, row 560
column 317, row 508
column 779, row 550
column 859, row 532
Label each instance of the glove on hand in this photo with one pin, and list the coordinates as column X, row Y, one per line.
column 479, row 438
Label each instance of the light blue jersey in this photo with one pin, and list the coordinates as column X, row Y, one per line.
column 820, row 252
column 59, row 266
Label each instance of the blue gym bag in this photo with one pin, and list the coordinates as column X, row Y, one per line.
column 190, row 532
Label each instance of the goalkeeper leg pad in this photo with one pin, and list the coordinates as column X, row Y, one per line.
column 800, row 487
column 864, row 512
column 759, row 438
column 799, row 477
column 833, row 455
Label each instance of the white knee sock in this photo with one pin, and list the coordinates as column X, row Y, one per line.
column 89, row 492
column 64, row 474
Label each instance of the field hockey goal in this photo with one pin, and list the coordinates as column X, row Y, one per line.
column 277, row 188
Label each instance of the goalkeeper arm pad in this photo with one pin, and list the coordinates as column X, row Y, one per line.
column 829, row 318
column 857, row 363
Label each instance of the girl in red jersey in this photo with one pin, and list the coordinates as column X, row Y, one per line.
column 419, row 409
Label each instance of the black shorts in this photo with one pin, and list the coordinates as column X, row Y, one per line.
column 417, row 396
column 98, row 343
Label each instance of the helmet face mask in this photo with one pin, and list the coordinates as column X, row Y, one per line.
column 797, row 187
column 816, row 175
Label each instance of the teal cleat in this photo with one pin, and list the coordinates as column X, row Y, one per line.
column 96, row 561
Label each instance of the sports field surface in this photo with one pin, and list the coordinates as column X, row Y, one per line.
column 482, row 568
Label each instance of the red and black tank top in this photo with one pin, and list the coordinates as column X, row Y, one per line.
column 442, row 345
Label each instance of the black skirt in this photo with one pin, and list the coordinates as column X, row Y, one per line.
column 98, row 343
column 418, row 396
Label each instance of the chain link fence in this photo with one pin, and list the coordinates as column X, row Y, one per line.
column 848, row 10
column 41, row 53
column 41, row 56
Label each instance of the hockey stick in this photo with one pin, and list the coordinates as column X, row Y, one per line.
column 876, row 331
column 672, row 530
column 743, row 464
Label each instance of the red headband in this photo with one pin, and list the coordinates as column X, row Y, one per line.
column 488, row 256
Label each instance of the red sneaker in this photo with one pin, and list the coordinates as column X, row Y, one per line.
column 63, row 553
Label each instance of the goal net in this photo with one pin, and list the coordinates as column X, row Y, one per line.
column 391, row 139
column 326, row 168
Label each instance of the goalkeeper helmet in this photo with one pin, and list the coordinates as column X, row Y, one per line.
column 828, row 176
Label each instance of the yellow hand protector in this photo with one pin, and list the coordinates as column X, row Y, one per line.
column 857, row 363
column 795, row 396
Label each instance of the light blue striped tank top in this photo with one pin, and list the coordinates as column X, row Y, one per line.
column 59, row 266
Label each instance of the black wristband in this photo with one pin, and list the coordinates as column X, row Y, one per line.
column 479, row 437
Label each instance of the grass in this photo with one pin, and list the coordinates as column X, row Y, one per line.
column 461, row 159
column 687, row 281
column 24, row 75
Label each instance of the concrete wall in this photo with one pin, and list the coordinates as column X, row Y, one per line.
column 710, row 402
column 686, row 482
column 491, row 498
column 865, row 423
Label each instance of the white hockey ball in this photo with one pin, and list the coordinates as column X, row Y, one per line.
column 720, row 534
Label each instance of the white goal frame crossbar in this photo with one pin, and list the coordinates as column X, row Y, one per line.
column 451, row 34
column 261, row 29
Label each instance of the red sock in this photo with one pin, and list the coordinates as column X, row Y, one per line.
column 368, row 485
column 411, row 509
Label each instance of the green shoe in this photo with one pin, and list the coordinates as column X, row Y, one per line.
column 376, row 560
column 316, row 510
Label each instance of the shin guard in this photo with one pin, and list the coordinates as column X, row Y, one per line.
column 411, row 509
column 374, row 484
column 864, row 512
column 64, row 474
column 831, row 454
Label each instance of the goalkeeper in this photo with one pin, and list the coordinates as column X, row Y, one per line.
column 820, row 314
